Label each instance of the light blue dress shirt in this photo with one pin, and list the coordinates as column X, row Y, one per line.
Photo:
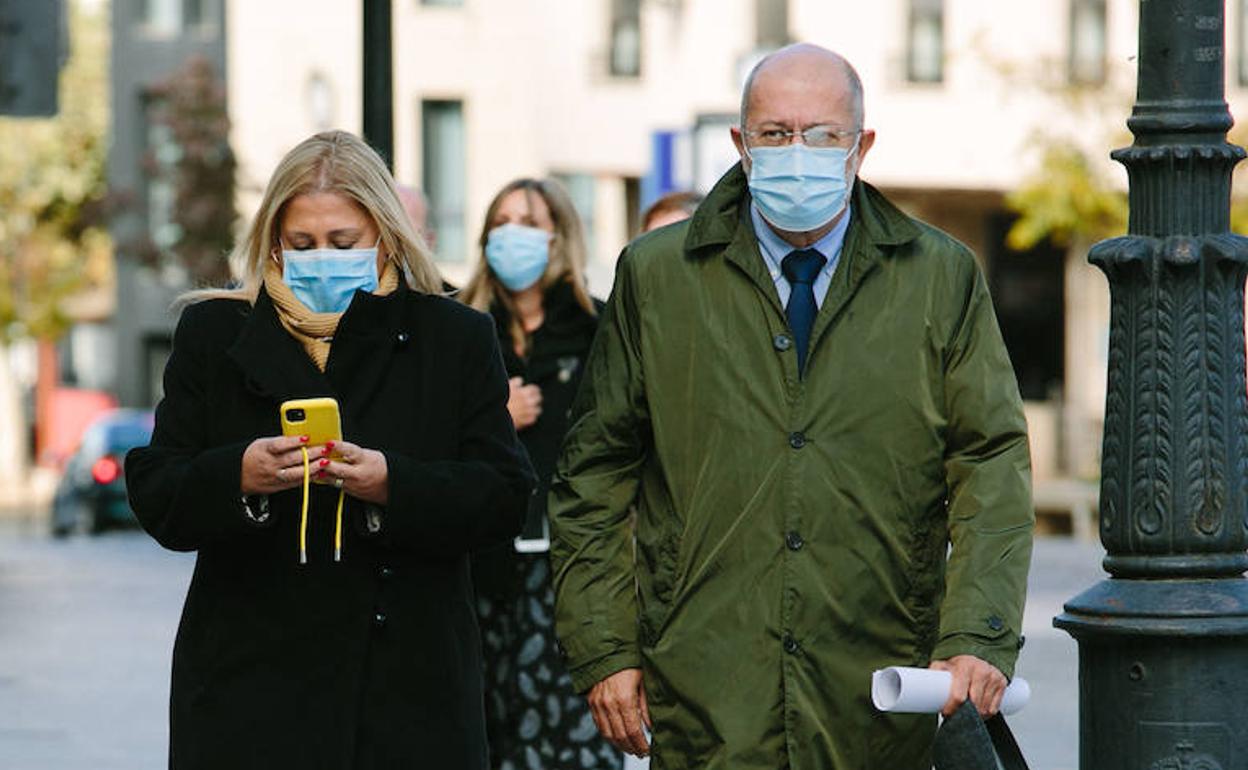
column 774, row 249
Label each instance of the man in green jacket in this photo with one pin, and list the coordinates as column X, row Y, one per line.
column 805, row 395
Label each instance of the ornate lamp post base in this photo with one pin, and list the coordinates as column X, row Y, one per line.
column 1162, row 673
column 1163, row 644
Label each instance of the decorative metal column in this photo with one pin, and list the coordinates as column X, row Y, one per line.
column 379, row 78
column 1163, row 643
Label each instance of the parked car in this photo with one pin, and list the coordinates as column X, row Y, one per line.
column 91, row 495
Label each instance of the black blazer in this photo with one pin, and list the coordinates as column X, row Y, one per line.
column 373, row 662
column 555, row 363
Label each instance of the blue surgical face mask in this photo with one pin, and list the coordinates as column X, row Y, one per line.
column 517, row 254
column 799, row 188
column 325, row 280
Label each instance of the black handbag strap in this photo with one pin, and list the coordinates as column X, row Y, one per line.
column 966, row 742
column 1003, row 741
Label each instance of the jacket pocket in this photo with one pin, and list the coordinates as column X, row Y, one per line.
column 658, row 561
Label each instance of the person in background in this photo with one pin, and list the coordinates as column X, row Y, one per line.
column 330, row 624
column 530, row 278
column 805, row 393
column 669, row 209
column 416, row 204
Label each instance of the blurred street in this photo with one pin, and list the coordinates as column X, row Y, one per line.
column 88, row 623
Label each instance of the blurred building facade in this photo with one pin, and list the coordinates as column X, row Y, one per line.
column 152, row 39
column 626, row 99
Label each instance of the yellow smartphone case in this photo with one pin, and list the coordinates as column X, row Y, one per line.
column 316, row 418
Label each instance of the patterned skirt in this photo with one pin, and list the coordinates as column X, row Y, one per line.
column 534, row 719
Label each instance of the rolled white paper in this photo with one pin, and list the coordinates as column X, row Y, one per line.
column 923, row 691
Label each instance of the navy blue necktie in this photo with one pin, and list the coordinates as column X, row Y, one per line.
column 801, row 267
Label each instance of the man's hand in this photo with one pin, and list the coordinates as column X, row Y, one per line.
column 973, row 678
column 524, row 403
column 618, row 704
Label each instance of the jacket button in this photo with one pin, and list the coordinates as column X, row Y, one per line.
column 402, row 338
column 385, row 573
column 794, row 541
column 797, row 439
column 995, row 623
column 379, row 619
column 782, row 342
column 790, row 645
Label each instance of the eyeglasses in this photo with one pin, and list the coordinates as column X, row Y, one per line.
column 815, row 136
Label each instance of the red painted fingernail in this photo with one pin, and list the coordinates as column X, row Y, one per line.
column 303, row 439
column 324, row 463
column 329, row 445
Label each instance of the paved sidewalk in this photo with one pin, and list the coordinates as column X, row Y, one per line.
column 87, row 625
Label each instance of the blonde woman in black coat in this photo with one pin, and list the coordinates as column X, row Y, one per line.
column 373, row 660
column 531, row 279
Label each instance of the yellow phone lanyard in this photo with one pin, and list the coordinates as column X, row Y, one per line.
column 303, row 518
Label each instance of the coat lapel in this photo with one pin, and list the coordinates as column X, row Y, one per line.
column 876, row 224
column 722, row 222
column 371, row 332
column 273, row 363
column 725, row 223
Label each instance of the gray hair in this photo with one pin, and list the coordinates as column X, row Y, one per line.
column 851, row 78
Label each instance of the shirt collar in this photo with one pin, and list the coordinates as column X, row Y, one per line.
column 775, row 249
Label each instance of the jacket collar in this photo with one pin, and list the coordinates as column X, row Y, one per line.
column 563, row 314
column 717, row 220
column 273, row 363
column 722, row 225
column 276, row 366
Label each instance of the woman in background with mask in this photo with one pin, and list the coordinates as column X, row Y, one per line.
column 330, row 624
column 530, row 278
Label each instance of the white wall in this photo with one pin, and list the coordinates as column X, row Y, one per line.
column 537, row 97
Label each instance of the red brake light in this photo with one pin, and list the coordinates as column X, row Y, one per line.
column 106, row 470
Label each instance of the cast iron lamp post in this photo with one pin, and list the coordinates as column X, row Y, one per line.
column 1163, row 643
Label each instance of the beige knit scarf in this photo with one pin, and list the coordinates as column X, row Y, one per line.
column 315, row 331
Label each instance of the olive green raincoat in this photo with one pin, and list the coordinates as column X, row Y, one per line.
column 791, row 534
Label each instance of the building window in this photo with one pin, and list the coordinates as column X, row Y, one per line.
column 580, row 189
column 201, row 15
column 1087, row 42
column 771, row 23
column 925, row 42
column 161, row 154
column 444, row 164
column 161, row 17
column 626, row 38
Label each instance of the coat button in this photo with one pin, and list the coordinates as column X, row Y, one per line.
column 782, row 342
column 794, row 541
column 402, row 338
column 385, row 573
column 379, row 619
column 995, row 623
column 797, row 439
column 790, row 645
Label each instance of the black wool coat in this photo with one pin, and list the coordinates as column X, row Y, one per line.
column 372, row 662
column 555, row 363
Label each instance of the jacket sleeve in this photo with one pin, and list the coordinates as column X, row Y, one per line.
column 185, row 493
column 480, row 496
column 988, row 474
column 595, row 482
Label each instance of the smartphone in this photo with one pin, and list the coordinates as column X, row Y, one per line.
column 316, row 418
